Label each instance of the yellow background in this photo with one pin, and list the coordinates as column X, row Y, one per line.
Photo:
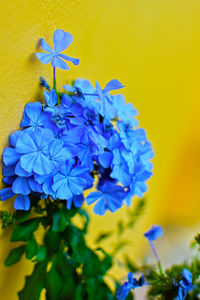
column 151, row 46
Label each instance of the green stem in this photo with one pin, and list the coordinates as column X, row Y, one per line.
column 160, row 268
column 54, row 78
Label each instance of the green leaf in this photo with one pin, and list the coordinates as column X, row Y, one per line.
column 102, row 236
column 131, row 266
column 42, row 253
column 34, row 283
column 54, row 284
column 59, row 221
column 21, row 215
column 52, row 240
column 31, row 249
column 14, row 256
column 24, row 231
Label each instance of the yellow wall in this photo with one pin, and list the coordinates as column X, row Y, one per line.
column 151, row 46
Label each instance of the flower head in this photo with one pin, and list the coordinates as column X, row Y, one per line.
column 61, row 41
column 154, row 232
column 132, row 283
column 185, row 285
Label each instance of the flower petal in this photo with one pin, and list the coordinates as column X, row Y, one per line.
column 92, row 197
column 61, row 40
column 100, row 208
column 75, row 61
column 114, row 84
column 27, row 161
column 25, row 144
column 22, row 202
column 21, row 186
column 45, row 46
column 6, row 193
column 45, row 58
column 10, row 156
column 57, row 62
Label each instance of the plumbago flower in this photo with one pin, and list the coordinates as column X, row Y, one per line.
column 129, row 285
column 81, row 138
column 61, row 40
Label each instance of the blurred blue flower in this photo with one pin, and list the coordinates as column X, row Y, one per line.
column 61, row 41
column 132, row 283
column 109, row 197
column 154, row 232
column 185, row 285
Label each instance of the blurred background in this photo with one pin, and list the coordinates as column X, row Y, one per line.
column 153, row 48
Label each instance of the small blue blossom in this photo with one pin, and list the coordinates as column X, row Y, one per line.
column 51, row 100
column 132, row 283
column 43, row 83
column 107, row 109
column 185, row 285
column 61, row 41
column 34, row 117
column 110, row 196
column 34, row 151
column 154, row 232
column 69, row 181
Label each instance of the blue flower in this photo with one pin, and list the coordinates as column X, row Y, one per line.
column 154, row 232
column 22, row 202
column 132, row 283
column 61, row 41
column 34, row 117
column 185, row 285
column 84, row 93
column 34, row 151
column 125, row 112
column 69, row 181
column 51, row 100
column 109, row 197
column 107, row 109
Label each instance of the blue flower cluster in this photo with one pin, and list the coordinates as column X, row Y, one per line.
column 132, row 283
column 75, row 139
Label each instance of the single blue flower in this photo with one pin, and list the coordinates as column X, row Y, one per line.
column 107, row 109
column 185, row 285
column 109, row 197
column 58, row 154
column 51, row 100
column 34, row 117
column 84, row 93
column 132, row 283
column 61, row 41
column 34, row 151
column 70, row 180
column 154, row 232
